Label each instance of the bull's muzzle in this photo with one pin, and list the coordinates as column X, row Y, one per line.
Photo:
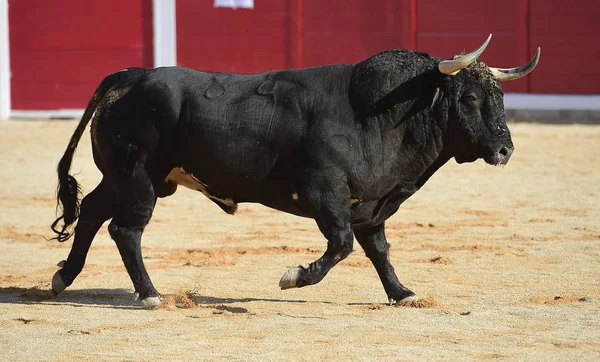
column 500, row 156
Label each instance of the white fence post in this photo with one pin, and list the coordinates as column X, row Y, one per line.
column 4, row 62
column 165, row 33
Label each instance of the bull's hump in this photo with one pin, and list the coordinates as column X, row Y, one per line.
column 180, row 177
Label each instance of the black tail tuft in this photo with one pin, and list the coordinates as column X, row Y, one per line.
column 68, row 192
column 69, row 195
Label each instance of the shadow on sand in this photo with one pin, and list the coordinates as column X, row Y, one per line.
column 98, row 298
column 113, row 298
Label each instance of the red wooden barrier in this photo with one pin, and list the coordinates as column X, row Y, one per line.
column 60, row 51
column 280, row 34
column 446, row 28
column 240, row 40
column 286, row 34
column 568, row 32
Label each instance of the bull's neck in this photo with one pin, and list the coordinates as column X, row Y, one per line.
column 410, row 129
column 413, row 140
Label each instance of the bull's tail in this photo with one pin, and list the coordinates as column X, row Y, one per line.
column 68, row 192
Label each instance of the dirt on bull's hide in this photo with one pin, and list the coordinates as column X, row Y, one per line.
column 505, row 261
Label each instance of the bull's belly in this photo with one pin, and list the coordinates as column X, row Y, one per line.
column 284, row 198
column 228, row 199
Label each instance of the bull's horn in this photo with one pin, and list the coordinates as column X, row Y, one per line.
column 452, row 66
column 516, row 73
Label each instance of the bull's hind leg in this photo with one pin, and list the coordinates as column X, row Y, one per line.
column 96, row 208
column 135, row 203
column 330, row 204
column 376, row 247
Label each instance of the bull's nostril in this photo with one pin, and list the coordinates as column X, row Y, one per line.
column 503, row 151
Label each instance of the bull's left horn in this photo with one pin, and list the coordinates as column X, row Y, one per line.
column 518, row 72
column 452, row 66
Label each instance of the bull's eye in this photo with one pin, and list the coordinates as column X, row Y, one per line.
column 469, row 98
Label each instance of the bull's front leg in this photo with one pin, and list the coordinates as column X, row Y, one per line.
column 377, row 249
column 329, row 202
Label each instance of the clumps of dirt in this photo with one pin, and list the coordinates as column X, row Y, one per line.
column 24, row 320
column 20, row 321
column 442, row 260
column 426, row 302
column 223, row 309
column 558, row 299
column 374, row 306
column 181, row 300
column 191, row 300
column 84, row 331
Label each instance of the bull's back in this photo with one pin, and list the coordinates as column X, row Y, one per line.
column 239, row 124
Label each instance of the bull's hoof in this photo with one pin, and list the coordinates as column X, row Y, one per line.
column 290, row 278
column 407, row 301
column 150, row 302
column 58, row 285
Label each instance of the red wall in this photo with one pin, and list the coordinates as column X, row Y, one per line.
column 350, row 31
column 241, row 40
column 293, row 33
column 61, row 50
column 444, row 30
column 280, row 34
column 569, row 34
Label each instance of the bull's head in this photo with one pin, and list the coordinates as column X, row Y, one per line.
column 476, row 118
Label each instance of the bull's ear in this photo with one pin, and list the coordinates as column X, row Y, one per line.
column 437, row 96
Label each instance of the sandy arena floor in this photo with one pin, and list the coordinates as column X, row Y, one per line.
column 506, row 260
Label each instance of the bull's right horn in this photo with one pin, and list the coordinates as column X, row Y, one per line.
column 452, row 66
column 518, row 72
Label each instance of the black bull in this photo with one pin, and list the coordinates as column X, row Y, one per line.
column 342, row 144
